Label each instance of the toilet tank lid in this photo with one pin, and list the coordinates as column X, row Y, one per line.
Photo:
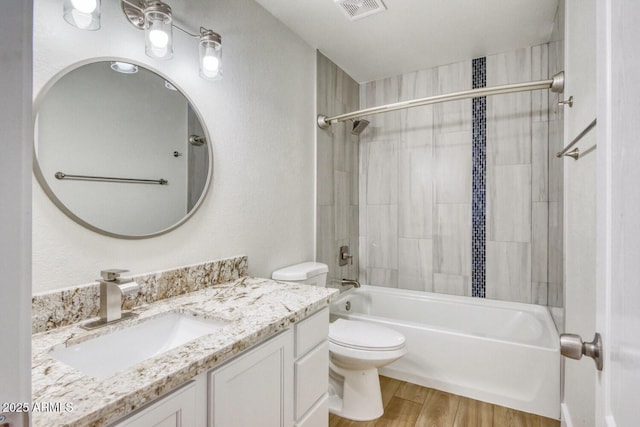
column 301, row 271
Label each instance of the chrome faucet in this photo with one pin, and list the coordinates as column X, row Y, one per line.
column 349, row 282
column 112, row 289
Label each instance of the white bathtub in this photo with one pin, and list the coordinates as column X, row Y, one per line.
column 504, row 353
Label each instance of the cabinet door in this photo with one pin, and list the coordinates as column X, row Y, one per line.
column 255, row 389
column 175, row 410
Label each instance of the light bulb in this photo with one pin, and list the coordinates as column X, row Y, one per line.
column 210, row 64
column 84, row 6
column 210, row 55
column 159, row 34
column 83, row 14
column 158, row 38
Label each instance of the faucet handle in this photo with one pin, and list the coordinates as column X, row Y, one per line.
column 112, row 274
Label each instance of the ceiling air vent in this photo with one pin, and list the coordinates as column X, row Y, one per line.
column 357, row 9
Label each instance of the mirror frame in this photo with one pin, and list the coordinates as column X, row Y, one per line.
column 58, row 203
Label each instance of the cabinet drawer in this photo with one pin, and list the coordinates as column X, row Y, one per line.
column 318, row 416
column 312, row 331
column 312, row 378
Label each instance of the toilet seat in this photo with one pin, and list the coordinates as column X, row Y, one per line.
column 358, row 335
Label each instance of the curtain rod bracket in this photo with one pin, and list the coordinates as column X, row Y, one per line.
column 558, row 82
column 322, row 122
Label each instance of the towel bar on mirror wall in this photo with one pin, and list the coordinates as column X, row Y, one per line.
column 61, row 175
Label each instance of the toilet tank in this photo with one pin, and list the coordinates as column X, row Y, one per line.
column 310, row 273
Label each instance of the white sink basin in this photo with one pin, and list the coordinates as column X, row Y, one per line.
column 107, row 354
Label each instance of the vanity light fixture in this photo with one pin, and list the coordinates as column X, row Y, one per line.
column 156, row 19
column 210, row 49
column 158, row 31
column 83, row 14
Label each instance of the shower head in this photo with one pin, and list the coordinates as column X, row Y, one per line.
column 359, row 125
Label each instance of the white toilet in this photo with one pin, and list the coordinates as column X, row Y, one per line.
column 356, row 351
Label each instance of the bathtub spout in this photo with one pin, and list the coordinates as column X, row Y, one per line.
column 349, row 282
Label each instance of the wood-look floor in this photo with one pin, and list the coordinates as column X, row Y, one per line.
column 410, row 405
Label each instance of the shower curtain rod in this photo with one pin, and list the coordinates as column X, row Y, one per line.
column 556, row 84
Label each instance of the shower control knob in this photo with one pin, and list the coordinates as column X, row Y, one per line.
column 572, row 346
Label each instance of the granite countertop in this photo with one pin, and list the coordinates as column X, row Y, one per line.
column 256, row 309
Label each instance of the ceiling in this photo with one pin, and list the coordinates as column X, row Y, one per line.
column 415, row 34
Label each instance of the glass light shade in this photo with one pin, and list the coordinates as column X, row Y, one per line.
column 83, row 14
column 210, row 58
column 158, row 34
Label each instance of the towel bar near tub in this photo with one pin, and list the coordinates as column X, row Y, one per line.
column 61, row 175
column 575, row 153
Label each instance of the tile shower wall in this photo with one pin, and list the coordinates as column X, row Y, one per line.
column 555, row 242
column 337, row 163
column 417, row 184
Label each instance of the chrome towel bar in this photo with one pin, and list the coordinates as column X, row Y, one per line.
column 160, row 181
column 575, row 153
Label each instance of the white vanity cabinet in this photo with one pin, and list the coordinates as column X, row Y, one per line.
column 282, row 382
column 311, row 371
column 178, row 409
column 273, row 386
column 256, row 388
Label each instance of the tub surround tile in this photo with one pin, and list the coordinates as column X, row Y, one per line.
column 382, row 172
column 382, row 277
column 539, row 293
column 338, row 184
column 256, row 309
column 327, row 247
column 71, row 305
column 452, row 116
column 540, row 162
column 382, row 240
column 509, row 271
column 452, row 241
column 324, row 152
column 509, row 203
column 415, row 189
column 452, row 284
column 415, row 270
column 453, row 166
column 540, row 242
column 540, row 71
column 509, row 115
column 342, row 205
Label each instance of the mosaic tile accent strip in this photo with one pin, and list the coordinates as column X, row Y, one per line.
column 478, row 202
column 71, row 305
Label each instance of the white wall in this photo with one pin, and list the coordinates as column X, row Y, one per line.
column 260, row 118
column 580, row 207
column 15, row 193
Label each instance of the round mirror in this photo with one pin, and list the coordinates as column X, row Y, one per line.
column 121, row 150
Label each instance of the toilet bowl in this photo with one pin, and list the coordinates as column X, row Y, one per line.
column 356, row 351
